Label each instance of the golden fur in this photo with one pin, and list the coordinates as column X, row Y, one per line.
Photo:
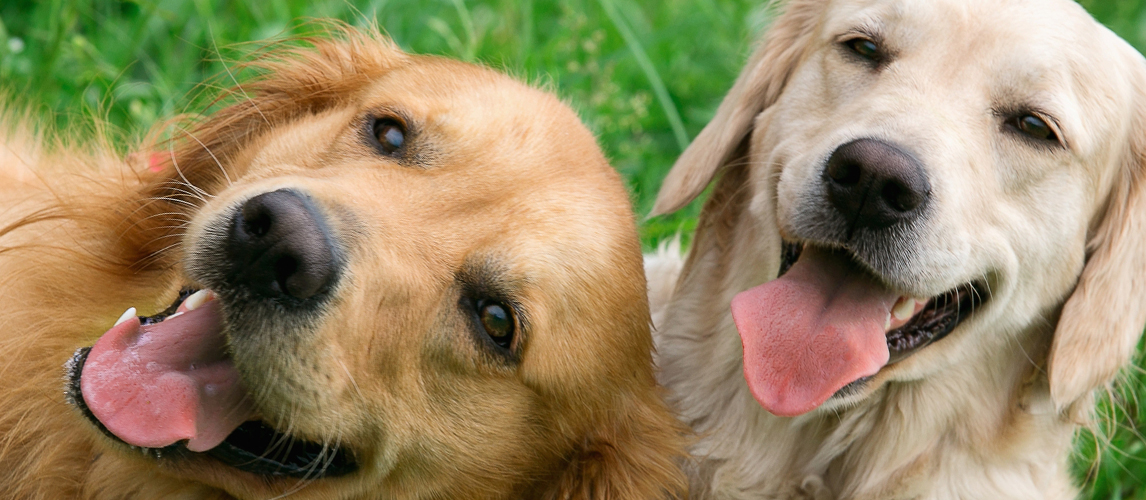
column 1057, row 232
column 495, row 172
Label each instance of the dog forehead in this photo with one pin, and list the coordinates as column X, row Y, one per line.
column 1050, row 56
column 477, row 119
column 512, row 159
column 1044, row 32
column 1050, row 17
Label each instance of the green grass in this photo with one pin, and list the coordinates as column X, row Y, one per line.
column 646, row 75
column 644, row 88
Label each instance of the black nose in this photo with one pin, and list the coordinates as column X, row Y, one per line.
column 280, row 246
column 875, row 185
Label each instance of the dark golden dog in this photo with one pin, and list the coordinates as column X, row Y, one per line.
column 393, row 276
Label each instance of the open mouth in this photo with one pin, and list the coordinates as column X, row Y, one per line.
column 165, row 385
column 917, row 322
column 826, row 325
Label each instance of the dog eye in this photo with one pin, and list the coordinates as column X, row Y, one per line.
column 864, row 48
column 497, row 321
column 389, row 134
column 1034, row 127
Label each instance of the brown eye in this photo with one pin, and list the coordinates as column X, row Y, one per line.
column 1035, row 127
column 865, row 48
column 497, row 322
column 389, row 134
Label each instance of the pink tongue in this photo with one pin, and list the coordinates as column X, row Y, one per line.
column 812, row 331
column 159, row 384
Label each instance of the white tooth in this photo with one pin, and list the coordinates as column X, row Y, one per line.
column 180, row 313
column 887, row 322
column 196, row 299
column 128, row 314
column 904, row 309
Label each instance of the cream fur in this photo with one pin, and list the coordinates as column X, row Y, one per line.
column 1057, row 234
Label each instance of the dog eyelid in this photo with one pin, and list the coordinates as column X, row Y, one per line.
column 865, row 48
column 864, row 43
column 1036, row 125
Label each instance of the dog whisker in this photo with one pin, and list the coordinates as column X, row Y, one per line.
column 175, row 165
column 175, row 186
column 211, row 153
column 154, row 256
column 168, row 199
column 167, row 236
column 174, row 215
column 231, row 75
column 145, row 203
column 353, row 383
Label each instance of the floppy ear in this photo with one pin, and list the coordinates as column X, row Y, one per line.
column 1104, row 316
column 637, row 457
column 758, row 86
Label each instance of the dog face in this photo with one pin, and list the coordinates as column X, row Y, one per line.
column 427, row 282
column 948, row 170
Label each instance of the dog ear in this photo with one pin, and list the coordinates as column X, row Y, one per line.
column 758, row 86
column 1103, row 319
column 637, row 457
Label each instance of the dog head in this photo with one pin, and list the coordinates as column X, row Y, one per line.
column 939, row 179
column 416, row 278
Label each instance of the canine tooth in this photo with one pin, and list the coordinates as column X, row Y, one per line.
column 197, row 299
column 904, row 309
column 128, row 314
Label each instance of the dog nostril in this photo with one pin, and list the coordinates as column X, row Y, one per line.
column 256, row 220
column 279, row 246
column 845, row 172
column 874, row 185
column 900, row 197
column 286, row 267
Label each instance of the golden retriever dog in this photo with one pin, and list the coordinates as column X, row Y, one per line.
column 373, row 275
column 925, row 248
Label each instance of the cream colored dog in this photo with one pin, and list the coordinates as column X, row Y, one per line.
column 951, row 192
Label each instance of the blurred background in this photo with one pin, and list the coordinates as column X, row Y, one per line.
column 645, row 75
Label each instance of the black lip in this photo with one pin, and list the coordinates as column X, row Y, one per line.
column 301, row 459
column 938, row 318
column 162, row 315
column 253, row 447
column 941, row 315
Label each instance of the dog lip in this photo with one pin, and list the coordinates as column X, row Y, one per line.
column 306, row 460
column 939, row 318
column 855, row 387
